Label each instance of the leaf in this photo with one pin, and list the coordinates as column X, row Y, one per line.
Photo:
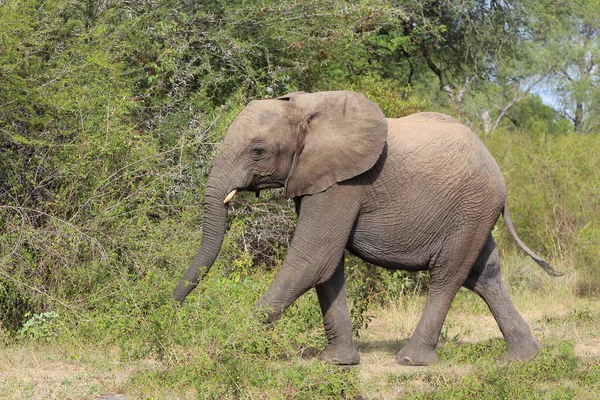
column 20, row 139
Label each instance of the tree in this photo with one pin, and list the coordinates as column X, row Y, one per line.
column 460, row 42
column 577, row 78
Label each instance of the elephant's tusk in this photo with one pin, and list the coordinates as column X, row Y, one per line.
column 230, row 196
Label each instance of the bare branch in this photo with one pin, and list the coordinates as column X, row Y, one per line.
column 518, row 96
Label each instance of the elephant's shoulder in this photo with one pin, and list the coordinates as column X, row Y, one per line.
column 429, row 116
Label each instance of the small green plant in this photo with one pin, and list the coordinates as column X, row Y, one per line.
column 40, row 326
column 445, row 333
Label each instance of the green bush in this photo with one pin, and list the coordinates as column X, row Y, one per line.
column 213, row 342
column 553, row 184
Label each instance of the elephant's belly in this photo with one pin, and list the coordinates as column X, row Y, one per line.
column 379, row 247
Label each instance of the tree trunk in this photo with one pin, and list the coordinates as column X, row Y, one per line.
column 578, row 120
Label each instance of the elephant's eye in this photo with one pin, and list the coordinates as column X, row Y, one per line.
column 258, row 151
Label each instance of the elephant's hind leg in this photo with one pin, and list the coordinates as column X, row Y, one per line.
column 336, row 317
column 486, row 281
column 444, row 282
column 448, row 272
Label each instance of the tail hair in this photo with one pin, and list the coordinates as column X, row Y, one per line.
column 511, row 229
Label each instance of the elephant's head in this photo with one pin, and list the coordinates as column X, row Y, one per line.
column 302, row 142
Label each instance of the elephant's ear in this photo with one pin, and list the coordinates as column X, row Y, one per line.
column 341, row 135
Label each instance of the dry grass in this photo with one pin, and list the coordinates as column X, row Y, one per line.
column 552, row 311
column 55, row 372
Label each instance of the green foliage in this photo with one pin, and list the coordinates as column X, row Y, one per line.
column 575, row 38
column 553, row 184
column 393, row 102
column 40, row 326
column 532, row 115
column 369, row 285
column 110, row 115
column 213, row 343
column 262, row 228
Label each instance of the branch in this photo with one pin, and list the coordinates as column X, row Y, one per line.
column 566, row 75
column 512, row 119
column 443, row 86
column 518, row 96
column 23, row 210
column 463, row 89
column 7, row 104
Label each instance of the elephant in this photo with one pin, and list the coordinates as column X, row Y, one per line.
column 418, row 193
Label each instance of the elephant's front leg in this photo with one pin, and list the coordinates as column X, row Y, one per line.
column 336, row 317
column 314, row 260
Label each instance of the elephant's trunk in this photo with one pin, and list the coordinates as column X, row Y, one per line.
column 213, row 224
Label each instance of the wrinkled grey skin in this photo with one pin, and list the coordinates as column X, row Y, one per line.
column 415, row 193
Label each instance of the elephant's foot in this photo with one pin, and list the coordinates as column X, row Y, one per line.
column 340, row 355
column 415, row 357
column 524, row 351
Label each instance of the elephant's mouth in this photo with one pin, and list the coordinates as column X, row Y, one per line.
column 260, row 182
column 263, row 182
column 255, row 189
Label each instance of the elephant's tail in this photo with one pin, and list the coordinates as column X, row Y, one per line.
column 535, row 257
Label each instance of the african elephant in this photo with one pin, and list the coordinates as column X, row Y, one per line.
column 415, row 193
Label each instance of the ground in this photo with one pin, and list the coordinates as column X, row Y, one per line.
column 567, row 326
column 472, row 345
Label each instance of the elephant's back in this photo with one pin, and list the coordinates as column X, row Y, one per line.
column 437, row 146
column 436, row 167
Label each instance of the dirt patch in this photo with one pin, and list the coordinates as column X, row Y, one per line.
column 41, row 372
column 588, row 349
